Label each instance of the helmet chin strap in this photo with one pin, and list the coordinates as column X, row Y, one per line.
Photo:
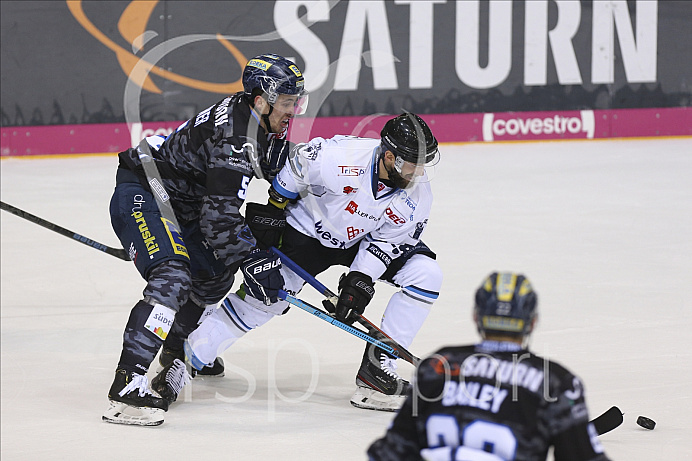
column 265, row 117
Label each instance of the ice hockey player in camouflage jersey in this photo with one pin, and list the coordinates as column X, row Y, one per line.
column 493, row 401
column 205, row 168
column 355, row 202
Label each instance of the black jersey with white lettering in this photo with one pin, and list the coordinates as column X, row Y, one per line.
column 497, row 398
column 206, row 166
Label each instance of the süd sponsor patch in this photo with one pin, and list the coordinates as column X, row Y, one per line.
column 160, row 320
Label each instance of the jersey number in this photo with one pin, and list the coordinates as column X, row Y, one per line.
column 443, row 430
column 242, row 192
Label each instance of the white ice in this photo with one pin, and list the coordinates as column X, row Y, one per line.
column 602, row 228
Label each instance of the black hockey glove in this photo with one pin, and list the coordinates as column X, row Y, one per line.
column 266, row 222
column 263, row 279
column 355, row 292
column 277, row 153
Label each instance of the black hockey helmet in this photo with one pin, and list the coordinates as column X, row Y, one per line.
column 408, row 137
column 506, row 305
column 272, row 75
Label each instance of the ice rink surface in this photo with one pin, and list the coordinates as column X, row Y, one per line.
column 602, row 228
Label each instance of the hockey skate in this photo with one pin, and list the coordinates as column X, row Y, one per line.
column 379, row 387
column 131, row 401
column 171, row 380
column 215, row 370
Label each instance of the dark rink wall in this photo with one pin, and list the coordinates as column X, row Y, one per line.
column 71, row 63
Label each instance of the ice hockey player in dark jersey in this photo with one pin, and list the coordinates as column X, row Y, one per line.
column 493, row 401
column 205, row 168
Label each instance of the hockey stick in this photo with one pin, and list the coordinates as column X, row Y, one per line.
column 608, row 421
column 319, row 313
column 117, row 252
column 332, row 299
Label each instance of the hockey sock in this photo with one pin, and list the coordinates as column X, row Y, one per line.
column 403, row 317
column 185, row 323
column 145, row 331
column 225, row 326
column 216, row 334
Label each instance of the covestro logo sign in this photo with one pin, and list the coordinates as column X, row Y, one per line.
column 538, row 125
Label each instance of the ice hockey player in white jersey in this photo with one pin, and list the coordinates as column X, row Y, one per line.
column 356, row 202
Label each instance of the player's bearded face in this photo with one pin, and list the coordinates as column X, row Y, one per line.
column 403, row 179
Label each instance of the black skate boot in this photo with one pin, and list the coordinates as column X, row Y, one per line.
column 216, row 370
column 131, row 401
column 171, row 380
column 379, row 385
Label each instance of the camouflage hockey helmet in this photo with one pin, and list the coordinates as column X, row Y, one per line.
column 505, row 305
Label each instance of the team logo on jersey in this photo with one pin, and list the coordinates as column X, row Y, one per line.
column 419, row 229
column 309, row 152
column 350, row 170
column 352, row 232
column 350, row 190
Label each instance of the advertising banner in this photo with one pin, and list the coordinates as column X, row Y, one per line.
column 70, row 62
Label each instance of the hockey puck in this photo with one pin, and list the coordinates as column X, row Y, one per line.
column 646, row 423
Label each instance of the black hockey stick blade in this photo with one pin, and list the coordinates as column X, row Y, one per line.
column 608, row 421
column 117, row 252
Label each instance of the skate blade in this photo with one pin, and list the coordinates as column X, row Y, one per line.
column 370, row 399
column 122, row 413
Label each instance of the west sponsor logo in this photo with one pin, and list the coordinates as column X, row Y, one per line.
column 326, row 235
column 524, row 126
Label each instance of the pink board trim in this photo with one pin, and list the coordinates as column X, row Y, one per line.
column 503, row 126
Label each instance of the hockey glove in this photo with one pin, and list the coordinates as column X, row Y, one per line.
column 266, row 222
column 355, row 292
column 277, row 153
column 263, row 279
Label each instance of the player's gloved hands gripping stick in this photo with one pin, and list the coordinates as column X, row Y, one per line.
column 263, row 279
column 267, row 222
column 355, row 292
